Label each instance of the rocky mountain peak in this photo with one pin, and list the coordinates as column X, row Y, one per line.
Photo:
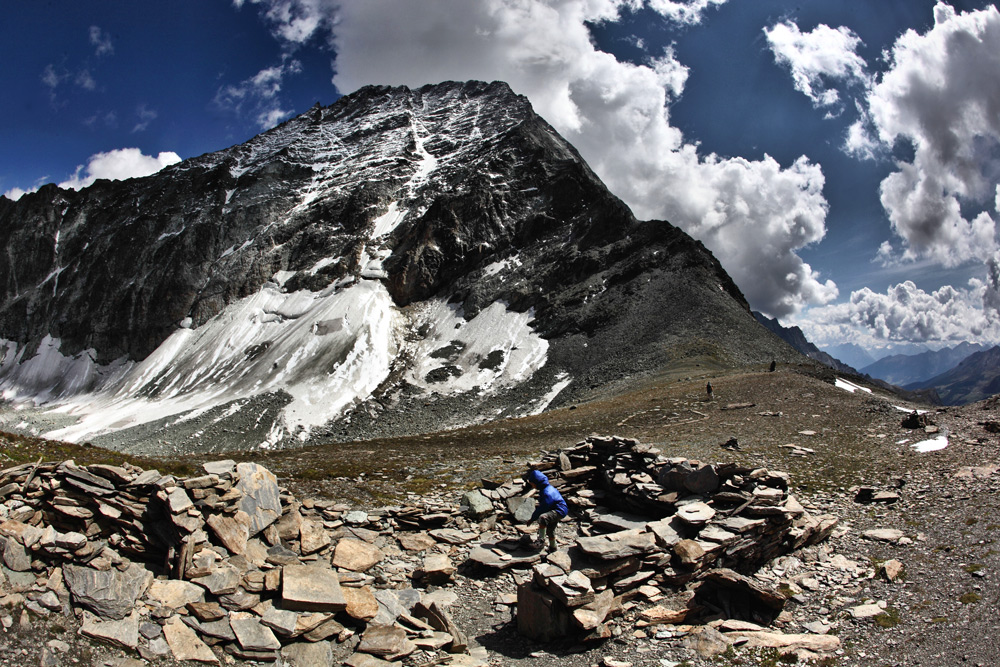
column 342, row 272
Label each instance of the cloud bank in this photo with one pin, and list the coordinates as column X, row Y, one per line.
column 115, row 165
column 754, row 215
column 938, row 102
column 906, row 313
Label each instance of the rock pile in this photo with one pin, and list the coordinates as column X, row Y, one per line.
column 677, row 531
column 225, row 562
column 915, row 420
column 230, row 563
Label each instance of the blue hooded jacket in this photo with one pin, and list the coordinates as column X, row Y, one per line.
column 549, row 497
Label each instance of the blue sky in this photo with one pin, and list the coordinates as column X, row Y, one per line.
column 840, row 158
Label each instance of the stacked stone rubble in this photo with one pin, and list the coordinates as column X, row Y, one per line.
column 684, row 530
column 227, row 562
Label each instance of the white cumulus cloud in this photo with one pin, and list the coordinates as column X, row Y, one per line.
column 815, row 57
column 16, row 193
column 906, row 313
column 690, row 12
column 941, row 96
column 755, row 215
column 296, row 21
column 117, row 165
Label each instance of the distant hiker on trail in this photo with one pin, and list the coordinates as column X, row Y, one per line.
column 551, row 508
column 708, row 390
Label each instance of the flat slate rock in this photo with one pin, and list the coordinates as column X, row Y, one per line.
column 312, row 537
column 110, row 594
column 452, row 536
column 386, row 641
column 174, row 593
column 393, row 603
column 220, row 468
column 15, row 556
column 790, row 642
column 185, row 644
column 223, row 580
column 362, row 605
column 306, row 654
column 355, row 555
column 123, row 632
column 477, row 505
column 415, row 541
column 521, row 507
column 727, row 578
column 281, row 621
column 232, row 531
column 487, row 555
column 261, row 498
column 252, row 634
column 220, row 629
column 366, row 660
column 618, row 521
column 884, row 534
column 695, row 513
column 665, row 532
column 618, row 545
column 305, row 588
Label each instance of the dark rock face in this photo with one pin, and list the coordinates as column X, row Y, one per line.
column 457, row 191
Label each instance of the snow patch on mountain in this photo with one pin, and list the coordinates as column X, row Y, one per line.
column 389, row 220
column 850, row 387
column 328, row 351
column 495, row 348
column 49, row 375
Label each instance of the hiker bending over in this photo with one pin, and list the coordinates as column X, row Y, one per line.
column 551, row 508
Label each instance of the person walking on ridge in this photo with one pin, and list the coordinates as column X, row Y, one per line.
column 550, row 510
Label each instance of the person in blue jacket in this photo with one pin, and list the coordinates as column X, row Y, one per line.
column 550, row 510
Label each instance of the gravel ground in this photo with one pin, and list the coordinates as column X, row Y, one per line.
column 943, row 612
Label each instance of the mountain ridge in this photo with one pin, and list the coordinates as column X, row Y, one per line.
column 975, row 378
column 909, row 370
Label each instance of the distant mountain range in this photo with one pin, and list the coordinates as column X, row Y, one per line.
column 962, row 374
column 916, row 369
column 975, row 378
